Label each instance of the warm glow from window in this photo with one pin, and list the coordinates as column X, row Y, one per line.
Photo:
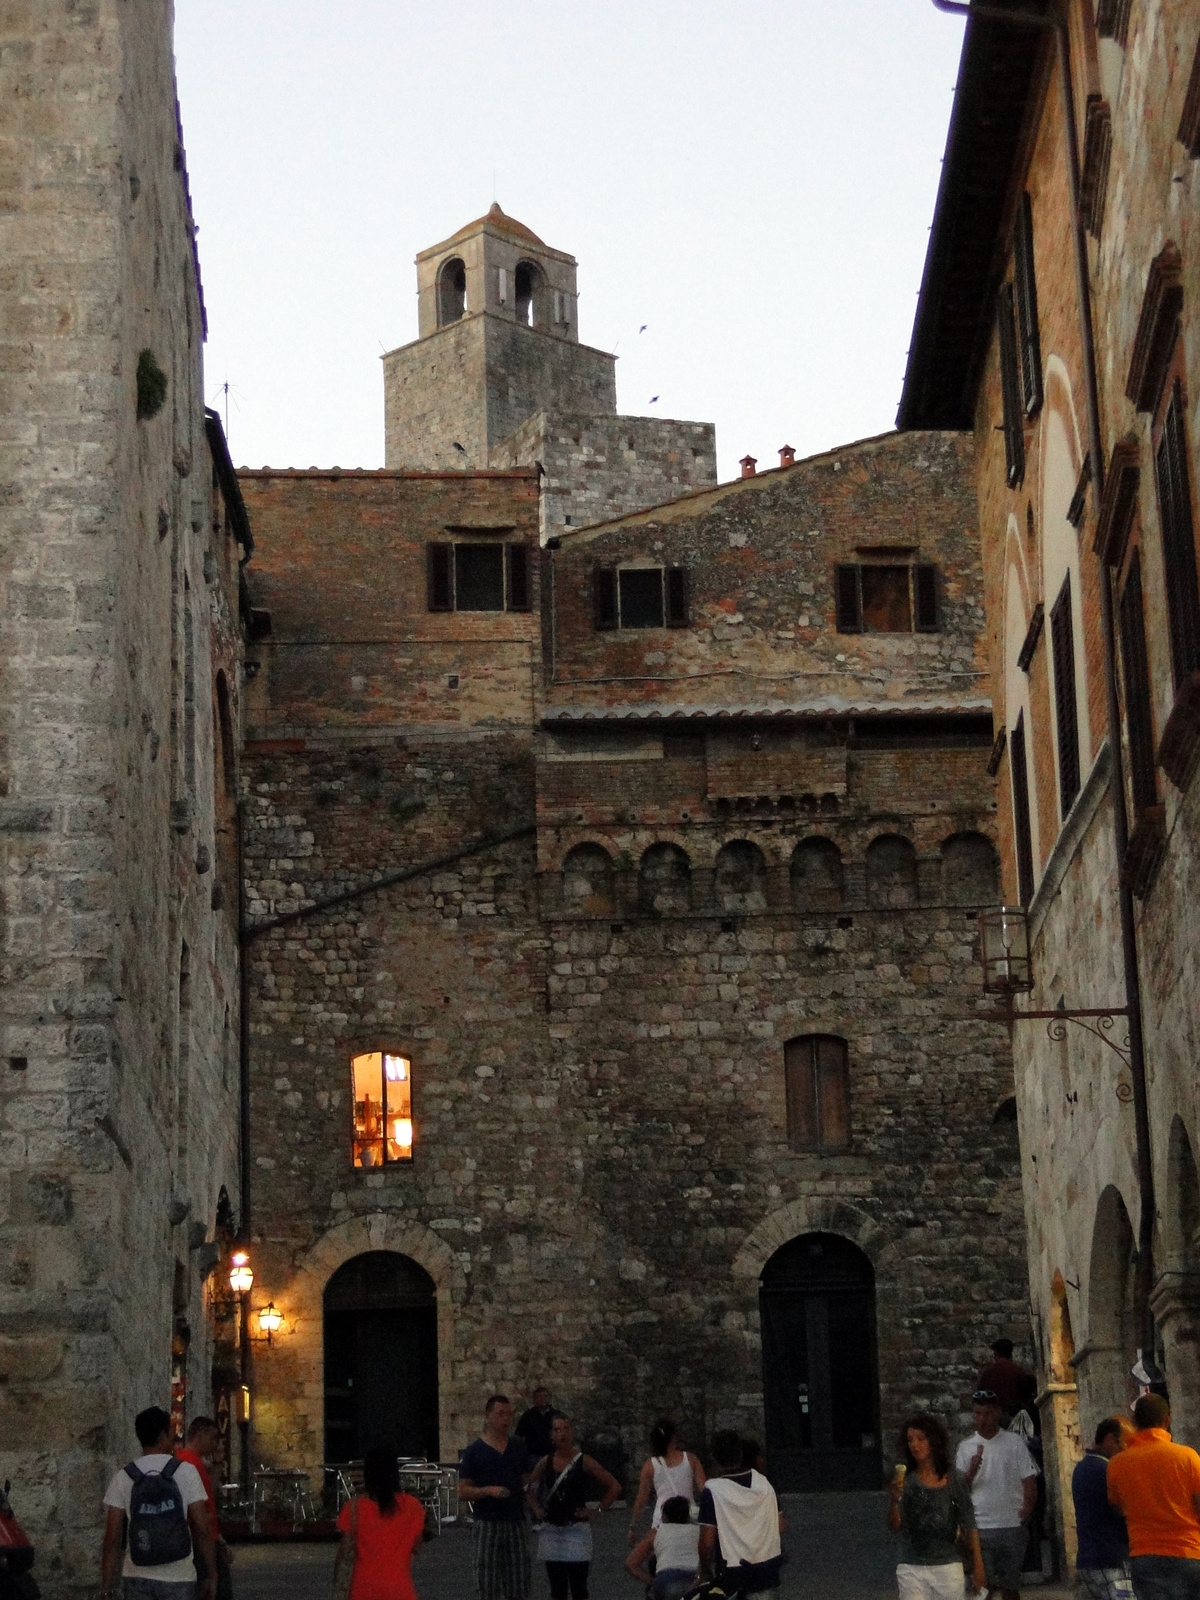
column 382, row 1088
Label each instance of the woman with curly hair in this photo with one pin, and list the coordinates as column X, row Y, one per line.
column 930, row 1506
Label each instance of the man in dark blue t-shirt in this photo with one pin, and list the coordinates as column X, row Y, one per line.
column 1103, row 1560
column 492, row 1475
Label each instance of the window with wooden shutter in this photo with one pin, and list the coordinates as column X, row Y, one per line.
column 925, row 597
column 1062, row 649
column 848, row 598
column 439, row 577
column 1023, row 835
column 1179, row 547
column 517, row 559
column 1135, row 665
column 677, row 597
column 1010, row 389
column 604, row 597
column 1027, row 309
column 816, row 1077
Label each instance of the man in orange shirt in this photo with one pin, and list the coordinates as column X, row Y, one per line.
column 203, row 1448
column 1156, row 1484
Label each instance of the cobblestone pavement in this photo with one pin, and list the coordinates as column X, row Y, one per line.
column 838, row 1548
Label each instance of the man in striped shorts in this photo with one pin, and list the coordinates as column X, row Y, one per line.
column 492, row 1477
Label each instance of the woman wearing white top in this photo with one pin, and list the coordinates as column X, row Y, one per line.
column 670, row 1471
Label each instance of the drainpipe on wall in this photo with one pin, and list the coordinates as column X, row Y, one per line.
column 243, row 1139
column 1144, row 1274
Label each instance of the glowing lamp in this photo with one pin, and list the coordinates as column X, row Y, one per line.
column 242, row 1403
column 396, row 1068
column 1004, row 951
column 403, row 1132
column 270, row 1320
column 241, row 1273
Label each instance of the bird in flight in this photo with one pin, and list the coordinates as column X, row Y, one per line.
column 643, row 327
column 653, row 398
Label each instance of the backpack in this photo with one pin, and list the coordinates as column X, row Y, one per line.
column 158, row 1526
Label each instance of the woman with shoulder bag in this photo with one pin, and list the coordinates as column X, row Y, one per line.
column 380, row 1529
column 558, row 1499
column 931, row 1506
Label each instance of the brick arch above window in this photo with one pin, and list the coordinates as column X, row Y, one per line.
column 891, row 871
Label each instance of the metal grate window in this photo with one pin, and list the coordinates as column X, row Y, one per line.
column 1066, row 705
column 1023, row 835
column 1010, row 388
column 1135, row 666
column 1179, row 548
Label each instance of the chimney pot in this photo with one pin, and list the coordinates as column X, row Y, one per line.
column 787, row 456
column 749, row 466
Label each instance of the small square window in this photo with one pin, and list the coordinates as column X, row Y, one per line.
column 381, row 1086
column 641, row 597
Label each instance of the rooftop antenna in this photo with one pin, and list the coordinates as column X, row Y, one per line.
column 227, row 390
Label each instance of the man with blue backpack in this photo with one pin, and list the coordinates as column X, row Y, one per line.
column 157, row 1510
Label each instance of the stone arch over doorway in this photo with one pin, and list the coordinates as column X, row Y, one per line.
column 811, row 1214
column 291, row 1389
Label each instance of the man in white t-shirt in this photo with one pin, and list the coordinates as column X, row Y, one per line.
column 169, row 1580
column 1003, row 1478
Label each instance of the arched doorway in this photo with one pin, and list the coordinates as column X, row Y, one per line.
column 380, row 1357
column 820, row 1376
column 1102, row 1365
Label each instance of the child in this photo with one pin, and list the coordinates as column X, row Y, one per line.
column 675, row 1546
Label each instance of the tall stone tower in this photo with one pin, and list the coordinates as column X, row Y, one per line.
column 498, row 378
column 499, row 340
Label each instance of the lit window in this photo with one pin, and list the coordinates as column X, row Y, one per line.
column 383, row 1129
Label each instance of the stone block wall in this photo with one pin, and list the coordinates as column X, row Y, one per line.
column 600, row 467
column 119, row 603
column 475, row 382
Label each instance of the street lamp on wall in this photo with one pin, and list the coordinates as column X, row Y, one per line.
column 269, row 1320
column 1007, row 965
column 241, row 1273
column 1004, row 951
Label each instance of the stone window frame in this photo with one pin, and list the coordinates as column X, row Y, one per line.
column 1179, row 747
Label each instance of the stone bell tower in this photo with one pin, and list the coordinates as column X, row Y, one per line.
column 498, row 341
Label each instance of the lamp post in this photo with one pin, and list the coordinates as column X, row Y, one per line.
column 241, row 1281
column 1008, row 971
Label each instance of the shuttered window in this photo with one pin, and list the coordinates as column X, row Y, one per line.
column 818, row 1092
column 886, row 599
column 477, row 577
column 925, row 596
column 1062, row 647
column 1179, row 547
column 1010, row 389
column 1135, row 666
column 1023, row 836
column 1027, row 310
column 604, row 597
column 848, row 595
column 439, row 568
column 640, row 597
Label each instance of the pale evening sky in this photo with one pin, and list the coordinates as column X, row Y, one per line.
column 753, row 182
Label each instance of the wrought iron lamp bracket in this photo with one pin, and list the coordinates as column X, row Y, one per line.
column 1099, row 1021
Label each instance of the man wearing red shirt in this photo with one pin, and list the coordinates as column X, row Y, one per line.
column 203, row 1449
column 1156, row 1485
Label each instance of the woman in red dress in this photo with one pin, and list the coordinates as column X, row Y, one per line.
column 380, row 1530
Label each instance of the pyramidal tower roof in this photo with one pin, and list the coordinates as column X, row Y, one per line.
column 498, row 222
